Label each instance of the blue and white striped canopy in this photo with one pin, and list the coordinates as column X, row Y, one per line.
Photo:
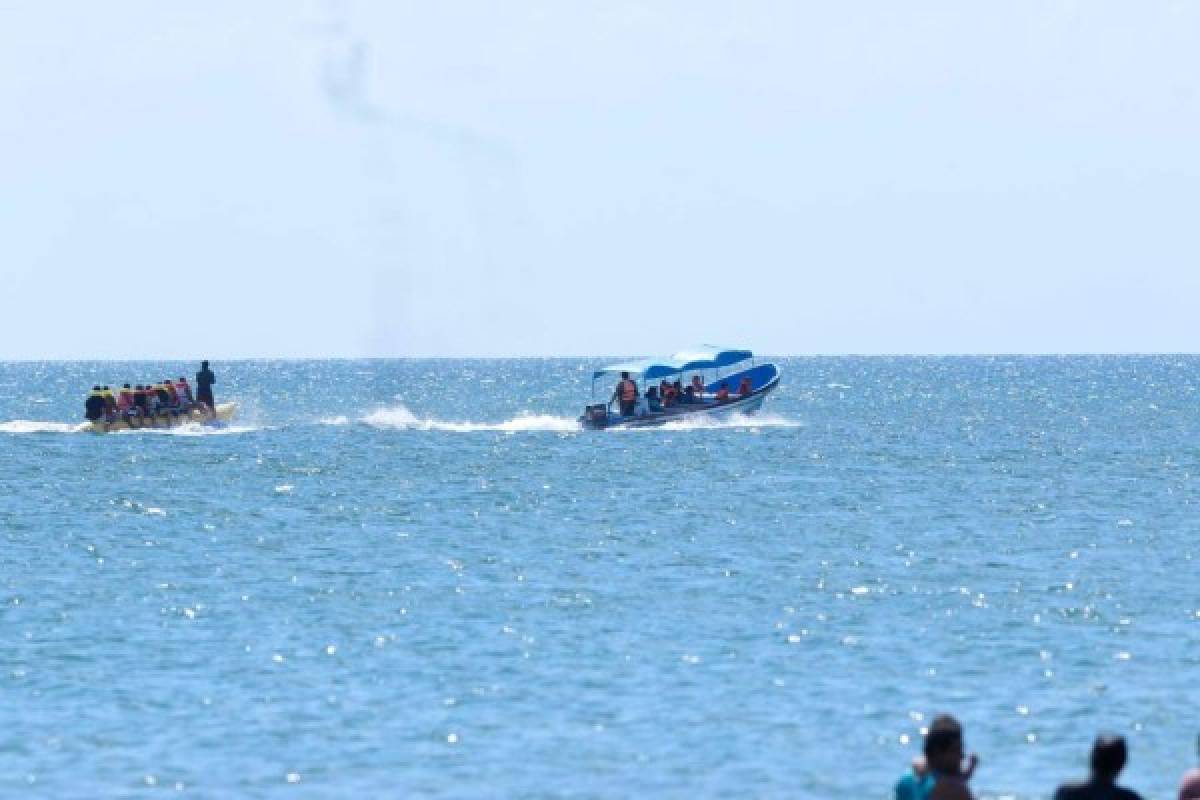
column 696, row 358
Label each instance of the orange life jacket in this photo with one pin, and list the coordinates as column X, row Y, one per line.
column 723, row 393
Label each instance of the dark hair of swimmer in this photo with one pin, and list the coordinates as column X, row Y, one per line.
column 944, row 732
column 1108, row 756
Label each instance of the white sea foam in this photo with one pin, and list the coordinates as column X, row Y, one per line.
column 36, row 426
column 400, row 418
column 710, row 422
column 338, row 420
column 188, row 429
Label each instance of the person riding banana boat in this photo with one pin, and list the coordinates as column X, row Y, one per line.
column 155, row 405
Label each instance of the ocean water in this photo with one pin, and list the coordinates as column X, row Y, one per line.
column 419, row 578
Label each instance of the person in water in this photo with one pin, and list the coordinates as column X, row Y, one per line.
column 204, row 383
column 626, row 394
column 1189, row 787
column 93, row 407
column 1108, row 759
column 940, row 774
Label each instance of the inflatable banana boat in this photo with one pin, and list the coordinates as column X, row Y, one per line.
column 224, row 413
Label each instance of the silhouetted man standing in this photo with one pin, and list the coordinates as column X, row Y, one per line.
column 204, row 383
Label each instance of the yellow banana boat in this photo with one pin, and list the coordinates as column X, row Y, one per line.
column 224, row 413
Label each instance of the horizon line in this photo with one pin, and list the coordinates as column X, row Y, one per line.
column 236, row 359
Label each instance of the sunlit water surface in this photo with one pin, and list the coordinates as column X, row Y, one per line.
column 419, row 578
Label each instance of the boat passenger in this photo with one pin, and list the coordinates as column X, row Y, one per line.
column 172, row 396
column 697, row 386
column 723, row 392
column 125, row 404
column 689, row 396
column 677, row 389
column 652, row 401
column 164, row 397
column 139, row 400
column 204, row 383
column 745, row 388
column 110, row 404
column 93, row 407
column 185, row 393
column 626, row 394
column 669, row 394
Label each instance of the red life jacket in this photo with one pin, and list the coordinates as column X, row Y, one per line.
column 628, row 391
column 125, row 400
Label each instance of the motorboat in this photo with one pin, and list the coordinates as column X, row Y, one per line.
column 718, row 368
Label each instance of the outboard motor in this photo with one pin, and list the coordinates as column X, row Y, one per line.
column 596, row 416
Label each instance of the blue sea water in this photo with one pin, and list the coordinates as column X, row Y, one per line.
column 419, row 578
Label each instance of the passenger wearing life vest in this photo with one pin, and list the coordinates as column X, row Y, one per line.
column 149, row 400
column 93, row 407
column 665, row 393
column 626, row 394
column 110, row 404
column 125, row 404
column 745, row 388
column 184, row 392
column 172, row 397
column 723, row 392
column 697, row 386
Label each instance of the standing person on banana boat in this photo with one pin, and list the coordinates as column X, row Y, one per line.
column 204, row 383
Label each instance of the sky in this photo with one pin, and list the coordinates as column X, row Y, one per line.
column 350, row 179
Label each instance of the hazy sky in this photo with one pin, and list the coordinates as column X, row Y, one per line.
column 381, row 179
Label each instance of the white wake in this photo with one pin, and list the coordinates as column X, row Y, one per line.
column 36, row 426
column 400, row 418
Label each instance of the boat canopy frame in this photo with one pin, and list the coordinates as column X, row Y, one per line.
column 704, row 357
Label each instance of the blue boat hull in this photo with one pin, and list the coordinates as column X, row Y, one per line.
column 764, row 380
